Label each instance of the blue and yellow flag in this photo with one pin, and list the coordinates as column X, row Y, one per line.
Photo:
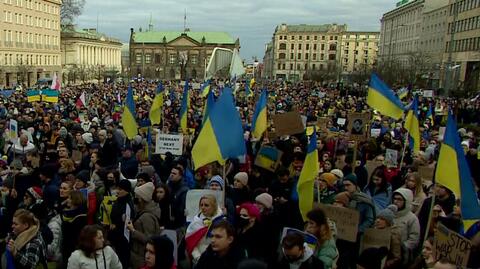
column 222, row 134
column 50, row 96
column 208, row 106
column 205, row 88
column 157, row 105
column 412, row 125
column 382, row 98
column 33, row 96
column 259, row 122
column 184, row 108
column 248, row 88
column 308, row 174
column 128, row 117
column 430, row 114
column 453, row 173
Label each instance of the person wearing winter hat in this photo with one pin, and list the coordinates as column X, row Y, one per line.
column 251, row 235
column 240, row 180
column 371, row 258
column 338, row 173
column 264, row 201
column 145, row 225
column 342, row 199
column 216, row 183
column 81, row 180
column 32, row 201
column 116, row 234
column 240, row 192
column 325, row 190
column 385, row 220
column 88, row 138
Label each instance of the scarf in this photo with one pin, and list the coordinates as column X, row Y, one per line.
column 25, row 237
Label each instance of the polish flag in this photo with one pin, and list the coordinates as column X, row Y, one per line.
column 81, row 101
column 55, row 82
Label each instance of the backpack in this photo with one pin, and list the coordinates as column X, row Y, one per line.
column 106, row 209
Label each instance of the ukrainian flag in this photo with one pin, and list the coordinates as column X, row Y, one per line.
column 184, row 108
column 267, row 157
column 128, row 117
column 259, row 122
column 307, row 177
column 382, row 98
column 430, row 114
column 208, row 106
column 156, row 109
column 453, row 172
column 33, row 96
column 248, row 89
column 50, row 96
column 412, row 126
column 205, row 88
column 222, row 135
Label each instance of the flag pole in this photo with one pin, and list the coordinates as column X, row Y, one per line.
column 403, row 151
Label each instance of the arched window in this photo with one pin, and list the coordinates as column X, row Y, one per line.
column 283, row 46
column 281, row 56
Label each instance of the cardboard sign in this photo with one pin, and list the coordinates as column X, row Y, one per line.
column 169, row 143
column 193, row 199
column 426, row 172
column 371, row 165
column 391, row 158
column 268, row 158
column 346, row 219
column 376, row 238
column 288, row 123
column 428, row 93
column 357, row 126
column 452, row 246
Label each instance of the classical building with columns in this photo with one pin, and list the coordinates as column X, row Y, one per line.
column 29, row 41
column 88, row 54
column 174, row 55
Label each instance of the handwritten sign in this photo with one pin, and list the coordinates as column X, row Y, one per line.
column 376, row 238
column 346, row 220
column 288, row 123
column 169, row 143
column 452, row 246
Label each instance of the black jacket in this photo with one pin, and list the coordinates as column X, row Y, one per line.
column 311, row 263
column 211, row 260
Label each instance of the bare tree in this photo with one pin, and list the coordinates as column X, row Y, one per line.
column 70, row 10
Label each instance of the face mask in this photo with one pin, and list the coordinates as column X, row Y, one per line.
column 243, row 222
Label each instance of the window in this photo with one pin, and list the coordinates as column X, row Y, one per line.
column 194, row 59
column 172, row 58
column 291, row 66
column 282, row 46
column 281, row 56
column 333, row 47
column 280, row 38
column 315, row 38
column 322, row 47
column 308, row 47
column 306, row 56
column 299, row 56
column 323, row 37
column 331, row 57
column 293, row 37
column 291, row 56
column 308, row 37
column 314, row 56
column 148, row 58
column 279, row 66
column 322, row 57
column 313, row 66
column 292, row 46
column 314, row 46
column 331, row 37
column 299, row 46
column 299, row 37
column 138, row 58
column 283, row 66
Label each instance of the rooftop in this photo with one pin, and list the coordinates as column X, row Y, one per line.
column 312, row 28
column 71, row 31
column 168, row 36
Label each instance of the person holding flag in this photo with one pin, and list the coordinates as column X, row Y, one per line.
column 259, row 122
column 412, row 126
column 128, row 117
column 307, row 177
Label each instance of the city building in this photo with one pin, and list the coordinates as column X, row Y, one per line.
column 462, row 49
column 318, row 51
column 88, row 54
column 175, row 55
column 125, row 58
column 29, row 41
column 412, row 37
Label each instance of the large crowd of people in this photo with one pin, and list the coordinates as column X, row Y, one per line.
column 76, row 193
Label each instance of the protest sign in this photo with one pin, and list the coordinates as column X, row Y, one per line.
column 341, row 121
column 391, row 158
column 452, row 246
column 268, row 158
column 13, row 134
column 375, row 238
column 357, row 123
column 193, row 198
column 169, row 143
column 428, row 93
column 288, row 123
column 346, row 220
column 374, row 132
column 371, row 165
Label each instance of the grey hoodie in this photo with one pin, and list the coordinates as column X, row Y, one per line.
column 407, row 221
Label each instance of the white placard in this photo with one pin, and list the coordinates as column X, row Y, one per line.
column 126, row 232
column 391, row 158
column 196, row 86
column 13, row 128
column 375, row 132
column 341, row 121
column 172, row 143
column 428, row 93
column 304, row 121
column 441, row 133
column 193, row 198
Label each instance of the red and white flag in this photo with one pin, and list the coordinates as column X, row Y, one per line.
column 55, row 82
column 81, row 101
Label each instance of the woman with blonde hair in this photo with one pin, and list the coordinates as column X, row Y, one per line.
column 413, row 182
column 209, row 213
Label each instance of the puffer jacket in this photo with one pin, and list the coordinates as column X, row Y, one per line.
column 408, row 224
column 54, row 252
column 104, row 258
column 327, row 253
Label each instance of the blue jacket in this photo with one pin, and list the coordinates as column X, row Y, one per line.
column 380, row 199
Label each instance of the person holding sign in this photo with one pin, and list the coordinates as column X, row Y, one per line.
column 325, row 250
column 385, row 221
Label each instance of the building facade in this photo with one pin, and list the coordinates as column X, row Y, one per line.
column 29, row 41
column 317, row 51
column 87, row 54
column 175, row 55
column 462, row 49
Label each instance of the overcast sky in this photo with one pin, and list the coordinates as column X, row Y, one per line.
column 253, row 21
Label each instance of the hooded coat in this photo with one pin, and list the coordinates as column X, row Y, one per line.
column 407, row 223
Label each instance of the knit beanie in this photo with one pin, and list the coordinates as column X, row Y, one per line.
column 371, row 258
column 352, row 178
column 35, row 192
column 242, row 177
column 329, row 178
column 145, row 192
column 338, row 173
column 343, row 198
column 388, row 214
column 84, row 176
column 252, row 210
column 217, row 179
column 125, row 185
column 87, row 137
column 265, row 199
